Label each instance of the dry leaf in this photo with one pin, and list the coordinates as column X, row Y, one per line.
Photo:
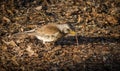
column 111, row 19
column 80, row 19
column 6, row 19
column 11, row 43
column 9, row 11
column 14, row 60
column 30, row 51
column 3, row 47
column 38, row 8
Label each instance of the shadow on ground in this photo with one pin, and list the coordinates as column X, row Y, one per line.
column 71, row 40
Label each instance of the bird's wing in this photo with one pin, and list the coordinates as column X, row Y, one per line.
column 48, row 30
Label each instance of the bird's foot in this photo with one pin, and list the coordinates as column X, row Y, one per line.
column 49, row 46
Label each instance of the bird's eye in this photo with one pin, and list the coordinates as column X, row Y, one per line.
column 66, row 30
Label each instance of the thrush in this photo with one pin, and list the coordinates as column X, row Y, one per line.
column 51, row 32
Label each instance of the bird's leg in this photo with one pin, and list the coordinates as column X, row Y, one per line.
column 52, row 43
column 48, row 45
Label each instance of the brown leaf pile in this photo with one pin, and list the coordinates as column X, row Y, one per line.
column 96, row 46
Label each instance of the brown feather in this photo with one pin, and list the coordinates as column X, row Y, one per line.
column 48, row 29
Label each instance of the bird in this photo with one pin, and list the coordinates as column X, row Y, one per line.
column 51, row 32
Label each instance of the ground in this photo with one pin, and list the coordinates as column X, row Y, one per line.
column 96, row 47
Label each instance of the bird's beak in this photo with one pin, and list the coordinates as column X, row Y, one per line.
column 72, row 32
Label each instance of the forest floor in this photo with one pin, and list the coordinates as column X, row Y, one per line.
column 96, row 47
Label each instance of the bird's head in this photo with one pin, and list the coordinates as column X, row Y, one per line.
column 67, row 29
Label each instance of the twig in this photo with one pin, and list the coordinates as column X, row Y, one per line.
column 77, row 43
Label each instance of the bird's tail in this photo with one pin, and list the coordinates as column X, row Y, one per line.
column 25, row 34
